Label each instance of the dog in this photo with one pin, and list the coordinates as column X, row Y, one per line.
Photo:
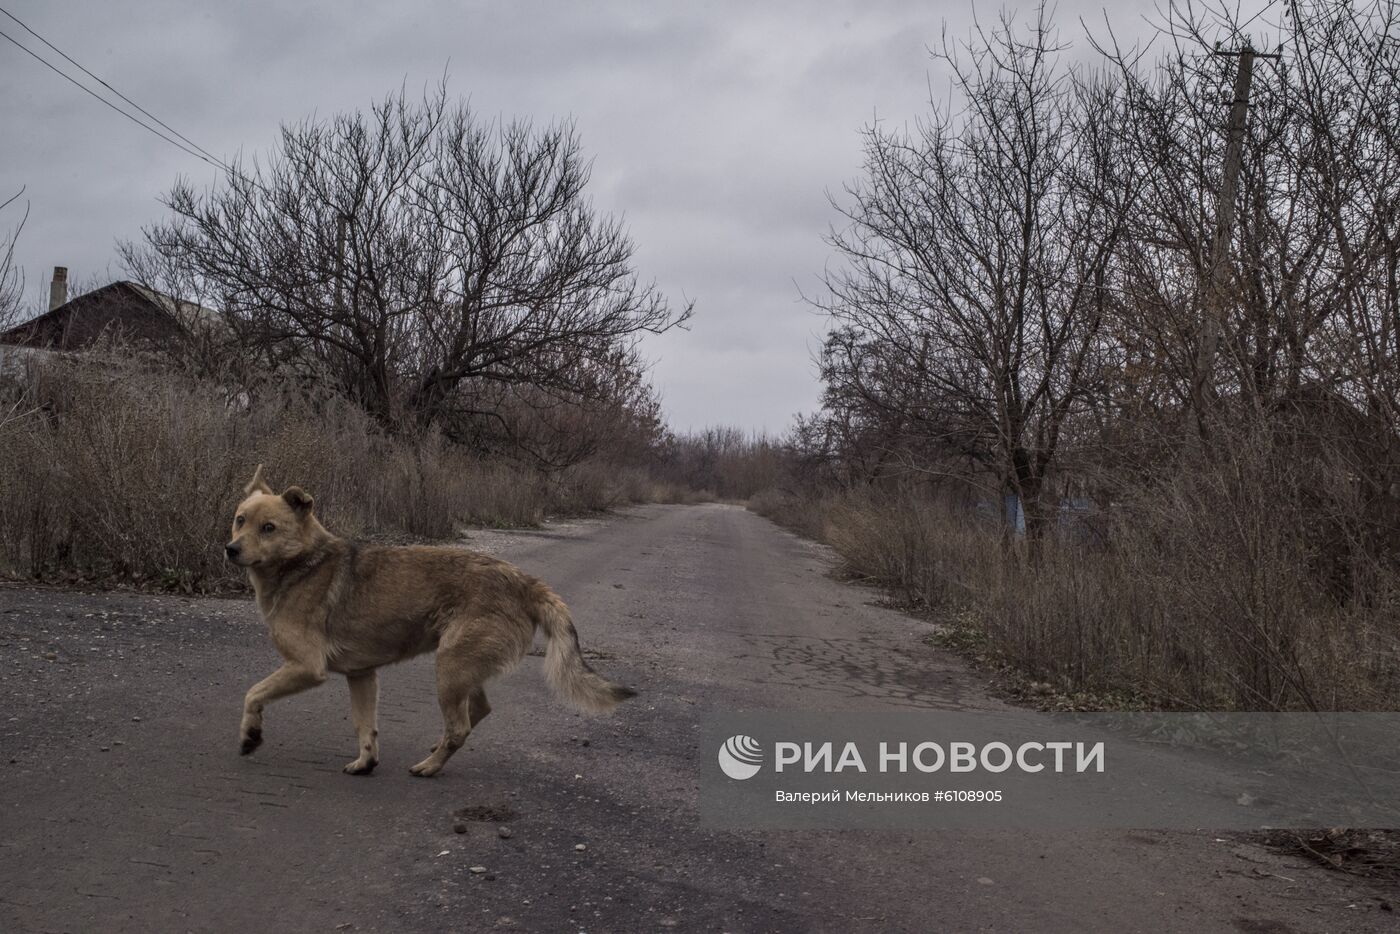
column 335, row 605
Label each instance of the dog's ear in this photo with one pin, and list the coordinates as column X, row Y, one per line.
column 257, row 484
column 298, row 499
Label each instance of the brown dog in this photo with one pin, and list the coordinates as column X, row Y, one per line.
column 333, row 605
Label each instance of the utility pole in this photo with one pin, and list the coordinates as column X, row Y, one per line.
column 1217, row 276
column 341, row 220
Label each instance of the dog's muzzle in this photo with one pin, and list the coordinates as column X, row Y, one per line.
column 233, row 551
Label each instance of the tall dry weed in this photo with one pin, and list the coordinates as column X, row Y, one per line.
column 120, row 469
column 1208, row 590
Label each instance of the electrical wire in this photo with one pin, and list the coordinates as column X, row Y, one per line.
column 99, row 97
column 201, row 151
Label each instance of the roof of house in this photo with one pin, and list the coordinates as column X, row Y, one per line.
column 122, row 310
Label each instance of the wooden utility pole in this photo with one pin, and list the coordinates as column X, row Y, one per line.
column 341, row 220
column 1217, row 276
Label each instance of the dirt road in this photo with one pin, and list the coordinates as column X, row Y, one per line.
column 124, row 805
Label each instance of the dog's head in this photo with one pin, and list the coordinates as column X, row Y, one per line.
column 268, row 529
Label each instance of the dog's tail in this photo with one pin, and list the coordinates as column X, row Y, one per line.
column 564, row 667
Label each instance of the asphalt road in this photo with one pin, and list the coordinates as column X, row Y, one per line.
column 124, row 805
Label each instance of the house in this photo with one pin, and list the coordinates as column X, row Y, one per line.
column 122, row 311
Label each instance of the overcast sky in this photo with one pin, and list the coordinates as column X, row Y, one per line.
column 716, row 128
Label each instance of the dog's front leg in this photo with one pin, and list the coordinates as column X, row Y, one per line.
column 291, row 678
column 364, row 700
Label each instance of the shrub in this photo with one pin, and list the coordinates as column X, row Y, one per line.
column 118, row 468
column 1205, row 592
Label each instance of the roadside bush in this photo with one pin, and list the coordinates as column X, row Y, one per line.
column 1205, row 591
column 806, row 514
column 116, row 468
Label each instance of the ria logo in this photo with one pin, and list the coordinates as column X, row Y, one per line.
column 741, row 757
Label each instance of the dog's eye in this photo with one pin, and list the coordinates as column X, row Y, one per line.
column 269, row 527
column 238, row 521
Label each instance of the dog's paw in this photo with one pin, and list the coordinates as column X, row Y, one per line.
column 426, row 769
column 360, row 768
column 250, row 740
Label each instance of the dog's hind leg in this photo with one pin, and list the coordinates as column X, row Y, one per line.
column 364, row 699
column 477, row 709
column 454, row 696
column 465, row 660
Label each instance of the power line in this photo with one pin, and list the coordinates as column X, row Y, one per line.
column 87, row 90
column 202, row 152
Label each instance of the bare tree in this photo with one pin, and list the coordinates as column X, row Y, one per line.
column 881, row 409
column 13, row 404
column 1277, row 256
column 1345, row 96
column 615, row 414
column 419, row 259
column 11, row 275
column 1309, row 305
column 979, row 253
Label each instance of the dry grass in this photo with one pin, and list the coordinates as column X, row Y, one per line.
column 121, row 471
column 1207, row 592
